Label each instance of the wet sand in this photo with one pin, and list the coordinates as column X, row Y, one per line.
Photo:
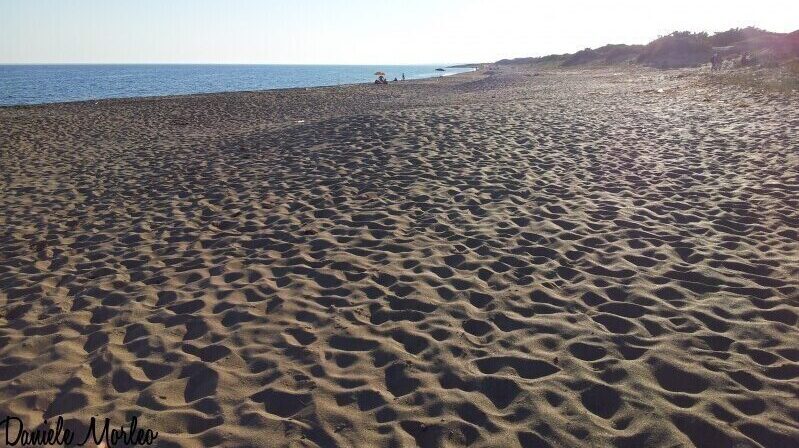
column 502, row 258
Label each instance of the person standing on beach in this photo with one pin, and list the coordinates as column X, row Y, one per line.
column 403, row 76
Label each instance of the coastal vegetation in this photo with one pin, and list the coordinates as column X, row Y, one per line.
column 684, row 49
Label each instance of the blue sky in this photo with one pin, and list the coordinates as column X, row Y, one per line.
column 352, row 31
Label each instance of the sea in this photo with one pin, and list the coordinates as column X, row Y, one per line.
column 39, row 84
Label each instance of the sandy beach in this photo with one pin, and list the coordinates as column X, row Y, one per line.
column 510, row 257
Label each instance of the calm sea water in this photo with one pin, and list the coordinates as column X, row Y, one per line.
column 36, row 84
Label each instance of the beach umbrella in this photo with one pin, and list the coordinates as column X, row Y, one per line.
column 380, row 74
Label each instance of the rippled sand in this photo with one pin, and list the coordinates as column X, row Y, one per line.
column 501, row 258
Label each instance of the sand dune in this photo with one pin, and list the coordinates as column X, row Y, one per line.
column 580, row 258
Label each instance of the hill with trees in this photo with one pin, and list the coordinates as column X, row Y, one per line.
column 682, row 49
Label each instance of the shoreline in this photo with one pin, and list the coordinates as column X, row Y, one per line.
column 152, row 97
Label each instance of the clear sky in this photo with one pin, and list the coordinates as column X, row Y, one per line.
column 353, row 31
